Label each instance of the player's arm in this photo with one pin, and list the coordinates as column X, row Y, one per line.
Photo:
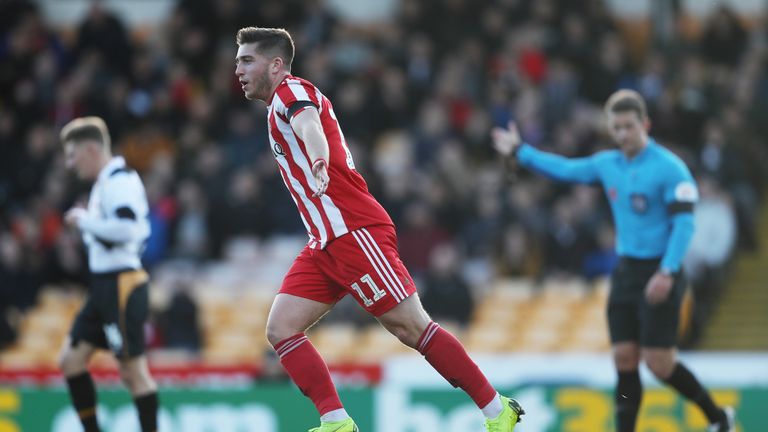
column 120, row 223
column 680, row 195
column 306, row 124
column 578, row 170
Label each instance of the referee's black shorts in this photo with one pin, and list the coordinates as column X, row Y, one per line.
column 114, row 313
column 631, row 318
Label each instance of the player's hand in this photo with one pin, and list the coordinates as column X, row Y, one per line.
column 320, row 171
column 506, row 141
column 658, row 288
column 72, row 216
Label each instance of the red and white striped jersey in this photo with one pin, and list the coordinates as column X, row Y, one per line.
column 346, row 205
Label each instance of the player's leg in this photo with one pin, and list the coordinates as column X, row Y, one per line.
column 136, row 376
column 288, row 319
column 124, row 303
column 659, row 339
column 665, row 366
column 412, row 325
column 629, row 389
column 382, row 285
column 75, row 354
column 305, row 296
column 73, row 363
column 623, row 312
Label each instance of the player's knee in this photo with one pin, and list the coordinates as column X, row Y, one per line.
column 134, row 380
column 64, row 361
column 408, row 328
column 70, row 363
column 128, row 376
column 659, row 370
column 136, row 377
column 408, row 335
column 402, row 334
column 660, row 366
column 276, row 333
column 626, row 360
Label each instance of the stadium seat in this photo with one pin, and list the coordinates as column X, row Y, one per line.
column 336, row 341
column 376, row 343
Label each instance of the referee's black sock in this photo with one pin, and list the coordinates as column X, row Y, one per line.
column 147, row 405
column 83, row 395
column 684, row 382
column 629, row 394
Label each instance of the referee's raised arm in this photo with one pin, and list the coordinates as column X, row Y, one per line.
column 508, row 143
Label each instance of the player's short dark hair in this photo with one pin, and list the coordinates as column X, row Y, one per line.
column 276, row 40
column 86, row 128
column 627, row 100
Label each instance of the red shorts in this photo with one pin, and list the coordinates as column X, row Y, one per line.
column 364, row 263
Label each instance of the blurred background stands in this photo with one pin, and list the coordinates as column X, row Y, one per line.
column 417, row 86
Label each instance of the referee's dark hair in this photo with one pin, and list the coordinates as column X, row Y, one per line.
column 627, row 100
column 84, row 129
column 276, row 40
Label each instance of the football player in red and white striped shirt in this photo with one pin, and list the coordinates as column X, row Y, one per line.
column 352, row 245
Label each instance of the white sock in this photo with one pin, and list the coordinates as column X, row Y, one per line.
column 336, row 415
column 494, row 407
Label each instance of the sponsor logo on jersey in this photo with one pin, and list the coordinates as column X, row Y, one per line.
column 277, row 149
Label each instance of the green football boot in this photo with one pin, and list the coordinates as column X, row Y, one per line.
column 347, row 425
column 507, row 419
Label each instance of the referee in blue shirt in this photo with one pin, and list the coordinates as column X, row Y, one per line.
column 651, row 194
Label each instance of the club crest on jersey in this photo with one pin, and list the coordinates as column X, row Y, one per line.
column 639, row 202
column 686, row 192
column 277, row 149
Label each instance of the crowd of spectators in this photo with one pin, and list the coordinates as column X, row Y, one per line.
column 416, row 96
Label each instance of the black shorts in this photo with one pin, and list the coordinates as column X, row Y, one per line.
column 631, row 318
column 114, row 313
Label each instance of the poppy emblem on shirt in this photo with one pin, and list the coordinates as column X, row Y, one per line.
column 612, row 193
column 639, row 202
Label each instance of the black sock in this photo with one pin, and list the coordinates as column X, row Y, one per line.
column 684, row 382
column 629, row 394
column 83, row 395
column 146, row 405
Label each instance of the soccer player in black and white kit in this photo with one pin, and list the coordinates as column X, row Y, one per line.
column 114, row 228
